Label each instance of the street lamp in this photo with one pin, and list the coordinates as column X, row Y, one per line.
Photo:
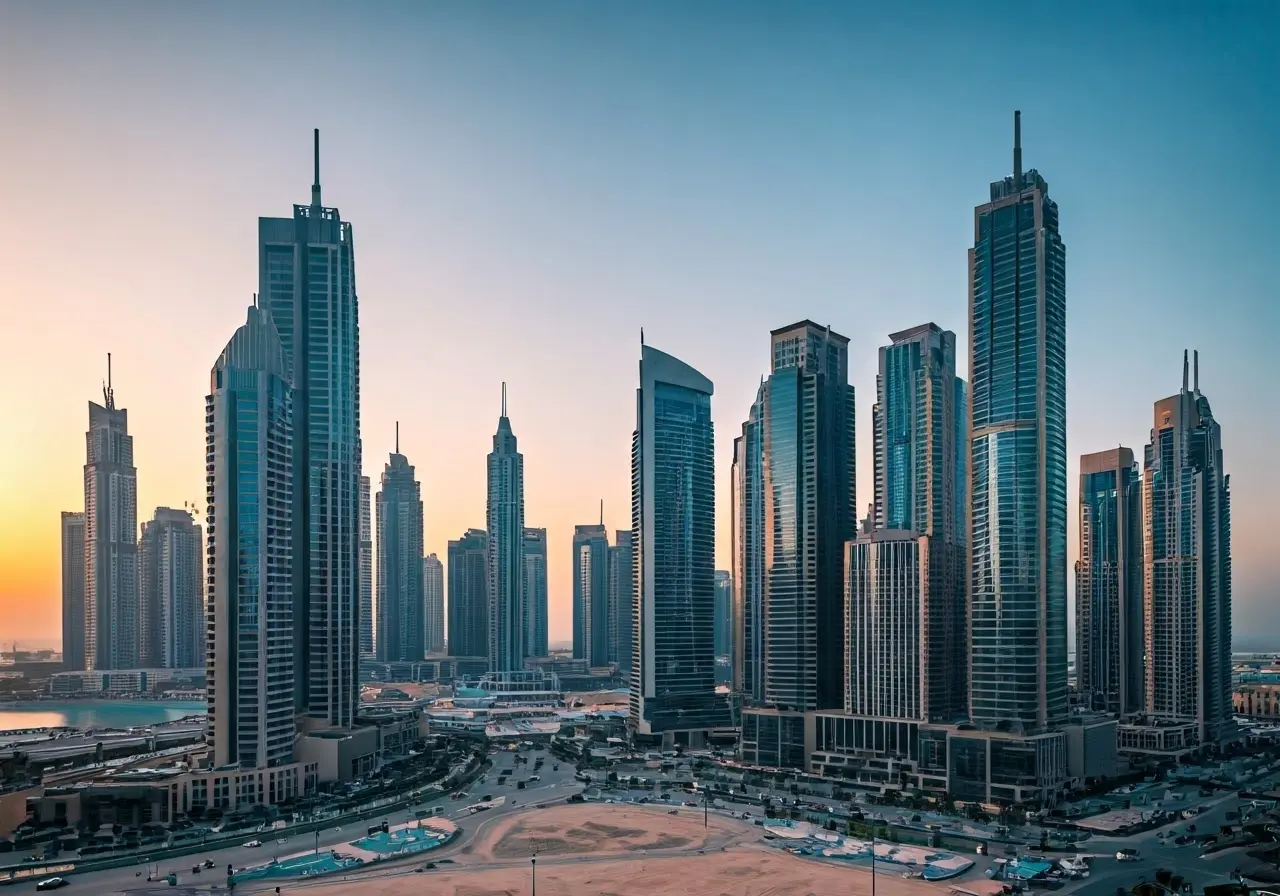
column 533, row 864
column 317, row 841
column 873, row 858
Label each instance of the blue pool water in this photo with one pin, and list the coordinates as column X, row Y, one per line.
column 407, row 840
column 321, row 863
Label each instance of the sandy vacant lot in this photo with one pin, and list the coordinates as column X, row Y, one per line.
column 609, row 850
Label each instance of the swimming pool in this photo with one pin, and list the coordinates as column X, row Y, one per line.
column 402, row 841
column 298, row 866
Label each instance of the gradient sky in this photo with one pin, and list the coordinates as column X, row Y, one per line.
column 530, row 183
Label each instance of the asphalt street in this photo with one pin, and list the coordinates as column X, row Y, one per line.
column 553, row 785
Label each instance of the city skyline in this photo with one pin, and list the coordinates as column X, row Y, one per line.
column 575, row 458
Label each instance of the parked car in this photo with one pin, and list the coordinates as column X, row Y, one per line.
column 52, row 883
column 253, row 844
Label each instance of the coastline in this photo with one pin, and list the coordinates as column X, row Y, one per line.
column 44, row 704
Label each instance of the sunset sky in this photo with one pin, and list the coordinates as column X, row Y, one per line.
column 530, row 183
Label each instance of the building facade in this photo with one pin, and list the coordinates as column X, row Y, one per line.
column 401, row 598
column 307, row 283
column 535, row 591
column 1109, row 626
column 504, row 513
column 722, row 638
column 807, row 466
column 468, row 574
column 250, row 634
column 1187, row 564
column 747, row 509
column 433, row 602
column 1017, row 457
column 171, row 583
column 673, row 539
column 919, row 421
column 366, row 568
column 621, row 599
column 886, row 647
column 72, row 591
column 591, row 594
column 111, row 611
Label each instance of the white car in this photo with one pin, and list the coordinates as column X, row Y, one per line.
column 253, row 844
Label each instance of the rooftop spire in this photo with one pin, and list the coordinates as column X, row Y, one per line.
column 1184, row 370
column 108, row 393
column 602, row 511
column 315, row 186
column 1017, row 151
column 1195, row 371
column 504, row 399
column 397, row 437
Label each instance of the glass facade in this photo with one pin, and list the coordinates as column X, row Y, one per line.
column 401, row 595
column 621, row 599
column 250, row 574
column 111, row 606
column 1017, row 451
column 535, row 591
column 1109, row 626
column 673, row 531
column 504, row 516
column 591, row 594
column 747, row 503
column 307, row 283
column 468, row 574
column 366, row 568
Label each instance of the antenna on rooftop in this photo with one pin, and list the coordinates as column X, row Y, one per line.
column 315, row 186
column 397, row 437
column 108, row 393
column 1017, row 151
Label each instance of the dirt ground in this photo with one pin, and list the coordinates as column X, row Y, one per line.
column 608, row 850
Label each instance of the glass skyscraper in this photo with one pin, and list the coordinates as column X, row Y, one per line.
column 366, row 568
column 1187, row 600
column 1109, row 623
column 535, row 591
column 307, row 283
column 171, row 588
column 249, row 450
column 504, row 514
column 468, row 609
column 401, row 597
column 1018, row 456
column 747, row 508
column 622, row 585
column 591, row 594
column 808, row 513
column 673, row 505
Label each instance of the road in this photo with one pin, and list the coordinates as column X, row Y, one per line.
column 554, row 785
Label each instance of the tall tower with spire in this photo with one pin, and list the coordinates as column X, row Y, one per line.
column 307, row 282
column 1017, row 456
column 1187, row 563
column 504, row 514
column 111, row 612
column 401, row 599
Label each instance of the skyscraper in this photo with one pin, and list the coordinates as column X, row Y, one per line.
column 591, row 593
column 1017, row 531
column 1109, row 624
column 433, row 600
column 807, row 466
column 366, row 568
column 535, row 591
column 622, row 585
column 110, row 538
column 469, row 594
column 307, row 283
column 747, row 509
column 724, row 614
column 72, row 591
column 1187, row 600
column 401, row 600
column 504, row 513
column 171, row 580
column 919, row 421
column 249, row 446
column 673, row 505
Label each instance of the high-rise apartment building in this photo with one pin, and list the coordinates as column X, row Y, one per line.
column 622, row 585
column 249, row 451
column 1187, row 558
column 433, row 601
column 747, row 509
column 468, row 574
column 171, row 580
column 110, row 538
column 307, row 283
column 724, row 614
column 401, row 598
column 504, row 514
column 1017, row 457
column 919, row 421
column 591, row 593
column 807, row 470
column 366, row 568
column 535, row 591
column 72, row 591
column 673, row 503
column 1109, row 625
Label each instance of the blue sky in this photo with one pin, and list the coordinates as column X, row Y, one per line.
column 531, row 183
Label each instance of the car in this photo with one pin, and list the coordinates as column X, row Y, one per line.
column 208, row 863
column 282, row 840
column 253, row 844
column 52, row 883
column 195, row 869
column 1127, row 855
